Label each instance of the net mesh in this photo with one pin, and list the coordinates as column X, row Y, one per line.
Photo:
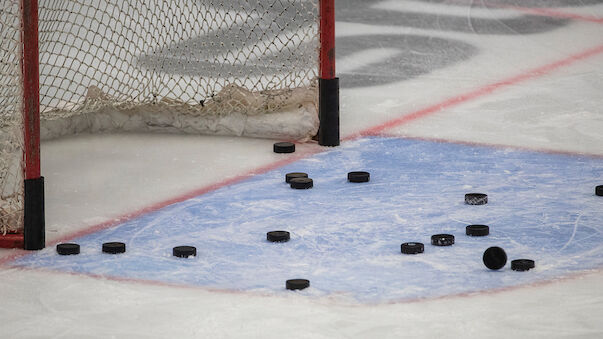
column 237, row 67
column 11, row 129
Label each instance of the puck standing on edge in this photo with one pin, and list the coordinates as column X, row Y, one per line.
column 599, row 190
column 68, row 249
column 294, row 175
column 278, row 236
column 284, row 147
column 522, row 265
column 297, row 284
column 476, row 199
column 184, row 251
column 359, row 176
column 412, row 248
column 301, row 183
column 442, row 239
column 114, row 247
column 495, row 258
column 477, row 230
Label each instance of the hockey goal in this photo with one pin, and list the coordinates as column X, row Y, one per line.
column 259, row 68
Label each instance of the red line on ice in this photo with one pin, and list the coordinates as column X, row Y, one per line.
column 478, row 93
column 547, row 12
column 555, row 13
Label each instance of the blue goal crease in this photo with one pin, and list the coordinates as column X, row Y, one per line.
column 346, row 237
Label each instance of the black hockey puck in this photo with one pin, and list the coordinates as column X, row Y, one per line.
column 284, row 147
column 278, row 236
column 522, row 264
column 412, row 248
column 301, row 183
column 476, row 199
column 295, row 175
column 184, row 251
column 495, row 258
column 114, row 247
column 599, row 190
column 477, row 230
column 68, row 249
column 442, row 239
column 359, row 176
column 297, row 284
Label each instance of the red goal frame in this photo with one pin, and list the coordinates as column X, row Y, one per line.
column 33, row 237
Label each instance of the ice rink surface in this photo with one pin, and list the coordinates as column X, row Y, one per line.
column 346, row 236
column 438, row 98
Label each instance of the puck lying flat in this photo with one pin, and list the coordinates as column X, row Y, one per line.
column 301, row 183
column 477, row 230
column 442, row 239
column 412, row 248
column 359, row 176
column 495, row 258
column 297, row 284
column 522, row 265
column 114, row 247
column 295, row 175
column 599, row 190
column 184, row 251
column 284, row 147
column 68, row 249
column 476, row 199
column 278, row 236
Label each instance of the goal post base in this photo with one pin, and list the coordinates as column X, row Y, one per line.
column 34, row 237
column 11, row 240
column 328, row 132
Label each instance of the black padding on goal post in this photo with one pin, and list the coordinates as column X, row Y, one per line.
column 328, row 112
column 34, row 237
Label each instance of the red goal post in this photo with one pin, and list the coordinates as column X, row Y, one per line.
column 75, row 66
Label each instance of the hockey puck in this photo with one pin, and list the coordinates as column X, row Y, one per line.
column 184, row 251
column 476, row 199
column 442, row 239
column 599, row 190
column 284, row 147
column 297, row 284
column 359, row 176
column 114, row 247
column 477, row 230
column 412, row 248
column 495, row 258
column 68, row 249
column 301, row 183
column 522, row 265
column 278, row 236
column 295, row 175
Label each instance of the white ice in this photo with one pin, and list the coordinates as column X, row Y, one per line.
column 92, row 179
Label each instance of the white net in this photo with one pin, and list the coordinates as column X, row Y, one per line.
column 236, row 67
column 11, row 125
column 182, row 65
